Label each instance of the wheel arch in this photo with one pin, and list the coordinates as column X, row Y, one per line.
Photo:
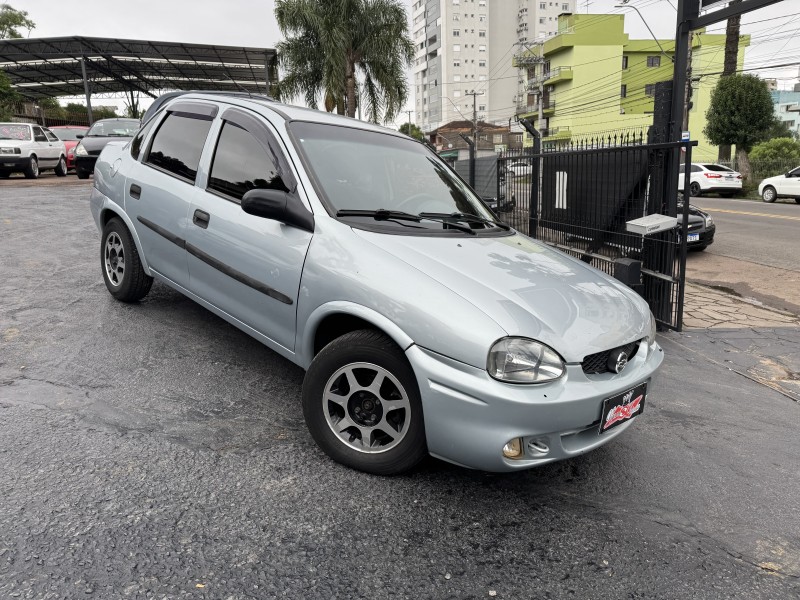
column 111, row 210
column 334, row 319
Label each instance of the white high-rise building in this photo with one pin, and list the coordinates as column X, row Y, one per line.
column 467, row 46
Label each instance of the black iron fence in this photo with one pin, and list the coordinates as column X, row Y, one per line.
column 580, row 196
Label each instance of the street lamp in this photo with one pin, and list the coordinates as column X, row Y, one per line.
column 626, row 5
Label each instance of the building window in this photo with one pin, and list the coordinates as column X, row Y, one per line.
column 456, row 17
column 497, row 138
column 482, row 18
column 653, row 61
column 456, row 32
column 624, row 62
column 456, row 77
column 481, row 48
column 482, row 63
column 481, row 77
column 650, row 89
column 481, row 33
column 482, row 3
column 623, row 91
column 542, row 20
column 456, row 1
column 456, row 48
column 565, row 7
column 456, row 94
column 457, row 62
column 542, row 5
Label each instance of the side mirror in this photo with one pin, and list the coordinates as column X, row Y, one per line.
column 277, row 206
column 79, row 136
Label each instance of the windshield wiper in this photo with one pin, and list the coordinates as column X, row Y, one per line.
column 383, row 214
column 465, row 217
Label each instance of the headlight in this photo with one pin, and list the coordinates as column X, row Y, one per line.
column 651, row 337
column 80, row 150
column 709, row 221
column 71, row 151
column 520, row 360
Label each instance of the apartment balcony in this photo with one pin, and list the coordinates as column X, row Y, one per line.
column 556, row 133
column 548, row 108
column 558, row 75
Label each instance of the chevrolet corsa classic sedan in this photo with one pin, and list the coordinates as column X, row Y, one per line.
column 425, row 325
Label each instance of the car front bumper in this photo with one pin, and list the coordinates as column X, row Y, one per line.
column 14, row 162
column 85, row 163
column 469, row 416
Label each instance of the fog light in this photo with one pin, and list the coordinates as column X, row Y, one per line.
column 513, row 449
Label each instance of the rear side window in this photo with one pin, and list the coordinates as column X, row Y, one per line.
column 716, row 168
column 241, row 164
column 697, row 169
column 178, row 145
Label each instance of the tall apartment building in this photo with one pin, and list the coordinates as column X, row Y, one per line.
column 466, row 46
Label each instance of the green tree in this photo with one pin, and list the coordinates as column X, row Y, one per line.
column 412, row 130
column 783, row 149
column 779, row 129
column 332, row 44
column 12, row 20
column 51, row 108
column 740, row 114
column 7, row 97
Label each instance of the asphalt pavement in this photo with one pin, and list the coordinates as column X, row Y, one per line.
column 154, row 451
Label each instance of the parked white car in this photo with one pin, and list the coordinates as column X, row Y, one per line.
column 781, row 186
column 708, row 177
column 519, row 169
column 30, row 149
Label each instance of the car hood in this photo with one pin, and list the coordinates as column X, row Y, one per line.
column 695, row 214
column 94, row 145
column 528, row 288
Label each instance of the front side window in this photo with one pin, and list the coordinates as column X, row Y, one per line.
column 50, row 136
column 242, row 164
column 178, row 144
column 354, row 169
column 38, row 135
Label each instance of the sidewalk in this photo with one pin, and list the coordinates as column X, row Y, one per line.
column 751, row 340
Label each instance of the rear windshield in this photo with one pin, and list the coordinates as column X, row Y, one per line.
column 68, row 134
column 10, row 131
column 717, row 168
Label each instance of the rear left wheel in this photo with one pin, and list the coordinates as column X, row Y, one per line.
column 362, row 405
column 122, row 268
column 61, row 167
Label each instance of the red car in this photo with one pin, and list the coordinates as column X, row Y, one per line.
column 69, row 135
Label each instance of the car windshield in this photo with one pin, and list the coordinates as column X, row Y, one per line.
column 11, row 131
column 68, row 134
column 717, row 168
column 114, row 128
column 358, row 170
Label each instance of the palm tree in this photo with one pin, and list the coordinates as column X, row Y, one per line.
column 342, row 47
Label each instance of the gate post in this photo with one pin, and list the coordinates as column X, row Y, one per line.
column 471, row 144
column 533, row 215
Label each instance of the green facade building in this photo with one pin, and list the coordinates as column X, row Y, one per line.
column 594, row 80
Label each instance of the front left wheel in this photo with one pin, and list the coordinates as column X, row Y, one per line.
column 362, row 405
column 122, row 268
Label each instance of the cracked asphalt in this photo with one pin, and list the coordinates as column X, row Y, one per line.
column 154, row 451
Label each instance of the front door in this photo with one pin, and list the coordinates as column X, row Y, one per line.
column 248, row 266
column 45, row 152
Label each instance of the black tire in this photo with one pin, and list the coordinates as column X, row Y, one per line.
column 695, row 189
column 82, row 174
column 769, row 194
column 374, row 348
column 133, row 283
column 797, row 200
column 32, row 170
column 5, row 174
column 61, row 167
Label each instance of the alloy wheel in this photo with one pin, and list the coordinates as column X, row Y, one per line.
column 366, row 407
column 114, row 255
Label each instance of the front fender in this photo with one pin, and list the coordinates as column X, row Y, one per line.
column 307, row 331
column 101, row 206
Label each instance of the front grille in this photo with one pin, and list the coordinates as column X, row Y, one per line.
column 598, row 362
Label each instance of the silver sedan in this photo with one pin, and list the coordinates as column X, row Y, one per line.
column 425, row 324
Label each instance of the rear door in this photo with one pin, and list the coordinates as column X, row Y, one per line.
column 248, row 266
column 159, row 189
column 43, row 148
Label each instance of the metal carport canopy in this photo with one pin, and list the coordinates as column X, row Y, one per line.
column 74, row 66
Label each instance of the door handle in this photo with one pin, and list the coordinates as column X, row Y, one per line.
column 136, row 191
column 201, row 218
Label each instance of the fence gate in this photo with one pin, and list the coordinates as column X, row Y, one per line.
column 586, row 193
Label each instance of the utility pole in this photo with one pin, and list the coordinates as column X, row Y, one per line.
column 687, row 102
column 474, row 95
column 731, row 59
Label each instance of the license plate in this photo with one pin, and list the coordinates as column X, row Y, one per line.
column 693, row 237
column 622, row 407
column 9, row 164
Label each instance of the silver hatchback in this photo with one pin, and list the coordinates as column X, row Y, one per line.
column 425, row 324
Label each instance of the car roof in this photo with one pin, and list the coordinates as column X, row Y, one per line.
column 13, row 123
column 287, row 112
column 68, row 127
